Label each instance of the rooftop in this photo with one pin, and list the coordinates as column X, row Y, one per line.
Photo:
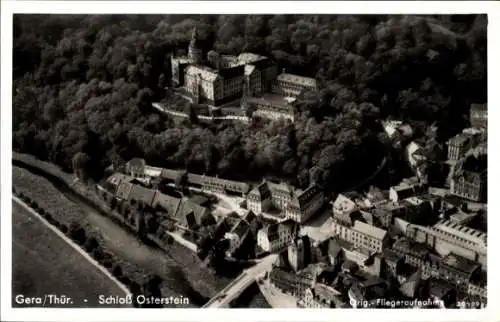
column 461, row 231
column 369, row 230
column 299, row 80
column 460, row 263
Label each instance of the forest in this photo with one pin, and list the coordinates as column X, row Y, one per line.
column 83, row 87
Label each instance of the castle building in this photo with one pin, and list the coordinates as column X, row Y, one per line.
column 220, row 79
column 292, row 85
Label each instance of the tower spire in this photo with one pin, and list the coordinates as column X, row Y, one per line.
column 194, row 35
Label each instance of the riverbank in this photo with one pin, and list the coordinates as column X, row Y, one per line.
column 183, row 273
column 37, row 270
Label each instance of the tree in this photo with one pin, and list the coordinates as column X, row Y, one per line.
column 80, row 161
column 144, row 100
column 91, row 244
column 77, row 233
column 117, row 271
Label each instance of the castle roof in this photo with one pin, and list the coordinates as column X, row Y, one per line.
column 298, row 80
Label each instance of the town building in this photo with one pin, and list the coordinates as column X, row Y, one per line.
column 459, row 145
column 413, row 286
column 443, row 292
column 294, row 283
column 320, row 296
column 407, row 188
column 343, row 205
column 458, row 270
column 479, row 115
column 276, row 236
column 470, row 179
column 414, row 253
column 391, row 263
column 431, row 266
column 362, row 234
column 446, row 237
column 247, row 225
column 305, row 204
column 259, row 198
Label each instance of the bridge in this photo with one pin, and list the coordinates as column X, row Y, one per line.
column 239, row 284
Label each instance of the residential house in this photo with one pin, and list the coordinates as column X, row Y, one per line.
column 276, row 236
column 414, row 253
column 247, row 225
column 320, row 296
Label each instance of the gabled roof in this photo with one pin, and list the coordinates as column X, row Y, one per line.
column 344, row 204
column 262, row 190
column 142, row 194
column 301, row 199
column 169, row 203
column 123, row 190
column 460, row 263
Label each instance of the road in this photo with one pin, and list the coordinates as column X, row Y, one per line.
column 245, row 279
column 39, row 270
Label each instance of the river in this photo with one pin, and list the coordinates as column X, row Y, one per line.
column 180, row 269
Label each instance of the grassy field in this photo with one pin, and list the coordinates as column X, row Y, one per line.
column 43, row 263
column 47, row 196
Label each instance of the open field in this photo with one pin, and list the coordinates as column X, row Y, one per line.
column 43, row 263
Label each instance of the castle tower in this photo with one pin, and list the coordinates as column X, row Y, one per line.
column 196, row 89
column 195, row 53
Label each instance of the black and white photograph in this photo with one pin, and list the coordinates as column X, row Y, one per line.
column 252, row 161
